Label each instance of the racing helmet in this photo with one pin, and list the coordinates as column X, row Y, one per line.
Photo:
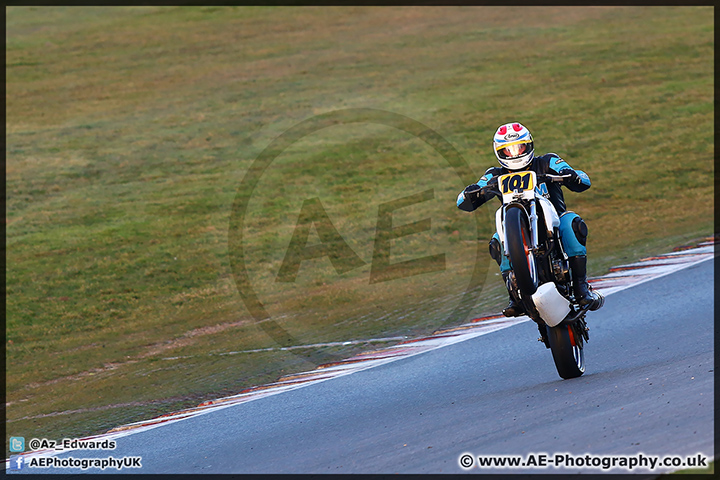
column 513, row 146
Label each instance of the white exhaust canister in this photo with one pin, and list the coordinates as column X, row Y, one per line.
column 551, row 306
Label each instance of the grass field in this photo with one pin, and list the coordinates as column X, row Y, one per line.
column 710, row 470
column 130, row 132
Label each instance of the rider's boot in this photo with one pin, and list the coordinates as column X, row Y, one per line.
column 584, row 294
column 513, row 309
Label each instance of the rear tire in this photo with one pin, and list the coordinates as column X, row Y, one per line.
column 567, row 351
column 522, row 258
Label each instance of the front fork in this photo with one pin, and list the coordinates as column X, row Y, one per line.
column 533, row 227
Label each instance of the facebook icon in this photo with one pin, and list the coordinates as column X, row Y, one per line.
column 17, row 462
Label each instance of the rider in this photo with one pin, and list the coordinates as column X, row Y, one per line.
column 514, row 149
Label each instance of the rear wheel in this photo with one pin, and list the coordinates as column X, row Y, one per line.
column 522, row 258
column 567, row 350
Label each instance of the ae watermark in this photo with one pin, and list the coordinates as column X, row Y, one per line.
column 373, row 245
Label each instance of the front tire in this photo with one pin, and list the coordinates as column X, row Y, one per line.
column 522, row 258
column 567, row 350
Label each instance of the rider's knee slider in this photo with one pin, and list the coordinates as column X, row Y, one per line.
column 580, row 229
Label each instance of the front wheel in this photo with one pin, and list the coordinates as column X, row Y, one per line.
column 522, row 257
column 567, row 350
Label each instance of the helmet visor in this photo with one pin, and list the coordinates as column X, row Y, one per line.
column 513, row 151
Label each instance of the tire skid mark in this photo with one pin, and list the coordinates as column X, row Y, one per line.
column 617, row 279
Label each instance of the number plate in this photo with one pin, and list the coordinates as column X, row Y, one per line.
column 517, row 184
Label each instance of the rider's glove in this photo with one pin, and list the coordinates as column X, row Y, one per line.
column 573, row 179
column 472, row 191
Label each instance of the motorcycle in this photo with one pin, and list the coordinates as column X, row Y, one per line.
column 540, row 279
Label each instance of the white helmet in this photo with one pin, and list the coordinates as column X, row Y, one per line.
column 513, row 146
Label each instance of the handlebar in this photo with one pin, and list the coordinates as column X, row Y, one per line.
column 553, row 178
column 492, row 187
